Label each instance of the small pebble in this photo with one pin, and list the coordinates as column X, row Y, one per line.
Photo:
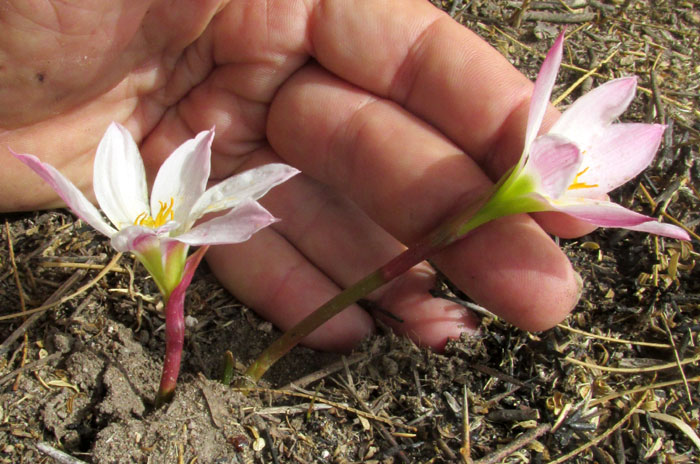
column 63, row 342
column 265, row 327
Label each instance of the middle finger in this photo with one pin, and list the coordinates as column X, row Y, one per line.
column 407, row 177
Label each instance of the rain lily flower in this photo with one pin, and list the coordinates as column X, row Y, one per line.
column 160, row 231
column 584, row 156
column 571, row 169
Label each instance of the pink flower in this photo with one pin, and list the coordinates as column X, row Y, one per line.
column 584, row 156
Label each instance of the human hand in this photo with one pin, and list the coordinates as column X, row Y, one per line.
column 376, row 102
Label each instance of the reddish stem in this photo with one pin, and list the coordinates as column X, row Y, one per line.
column 175, row 330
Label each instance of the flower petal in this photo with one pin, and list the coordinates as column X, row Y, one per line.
column 249, row 185
column 183, row 176
column 543, row 90
column 236, row 226
column 70, row 194
column 662, row 228
column 163, row 257
column 119, row 177
column 168, row 227
column 554, row 162
column 137, row 239
column 609, row 214
column 584, row 121
column 622, row 152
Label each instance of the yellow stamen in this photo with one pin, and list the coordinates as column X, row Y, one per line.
column 580, row 185
column 165, row 214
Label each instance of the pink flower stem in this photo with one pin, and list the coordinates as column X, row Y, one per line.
column 446, row 233
column 175, row 330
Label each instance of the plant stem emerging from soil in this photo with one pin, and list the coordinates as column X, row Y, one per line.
column 449, row 231
column 175, row 330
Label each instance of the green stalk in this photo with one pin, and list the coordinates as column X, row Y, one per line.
column 228, row 368
column 448, row 232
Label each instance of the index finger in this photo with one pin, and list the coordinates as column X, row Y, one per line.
column 416, row 55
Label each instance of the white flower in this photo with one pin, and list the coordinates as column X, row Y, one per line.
column 159, row 231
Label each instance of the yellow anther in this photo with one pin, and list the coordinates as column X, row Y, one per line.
column 165, row 214
column 575, row 185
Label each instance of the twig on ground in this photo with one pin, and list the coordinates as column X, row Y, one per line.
column 13, row 264
column 68, row 297
column 19, row 331
column 496, row 399
column 613, row 339
column 70, row 264
column 559, row 18
column 326, row 371
column 601, row 6
column 293, row 409
column 20, row 292
column 642, row 388
column 30, row 366
column 419, row 390
column 442, row 446
column 335, row 404
column 499, row 375
column 58, row 456
column 655, row 92
column 22, row 362
column 465, row 450
column 517, row 17
column 260, row 424
column 520, row 442
column 678, row 359
column 632, row 370
column 652, row 203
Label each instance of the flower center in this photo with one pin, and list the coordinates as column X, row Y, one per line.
column 575, row 185
column 165, row 214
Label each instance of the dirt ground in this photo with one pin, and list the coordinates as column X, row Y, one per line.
column 617, row 382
